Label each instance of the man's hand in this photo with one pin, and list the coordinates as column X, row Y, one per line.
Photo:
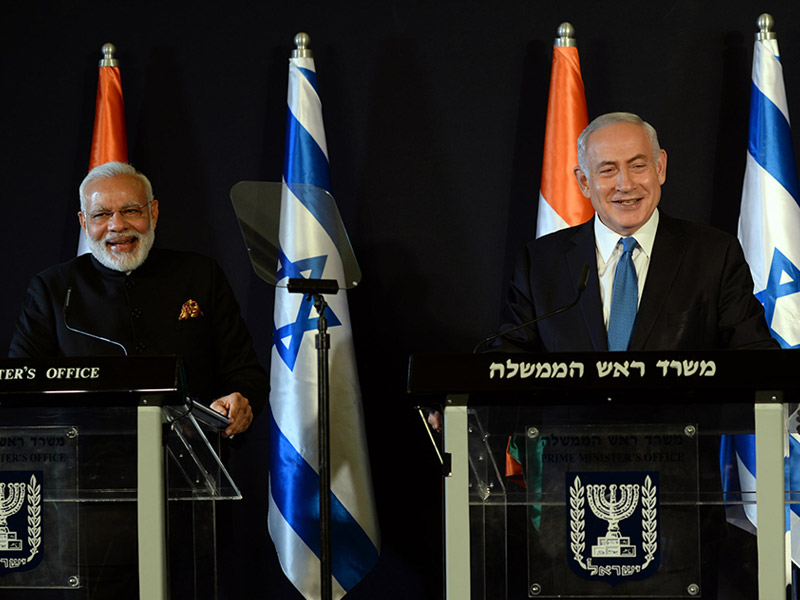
column 237, row 408
column 435, row 420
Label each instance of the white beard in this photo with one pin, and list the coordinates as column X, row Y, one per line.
column 123, row 261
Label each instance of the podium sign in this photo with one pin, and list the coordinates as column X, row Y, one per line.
column 598, row 475
column 620, row 505
column 91, row 449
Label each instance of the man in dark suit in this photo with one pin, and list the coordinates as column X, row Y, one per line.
column 693, row 286
column 690, row 289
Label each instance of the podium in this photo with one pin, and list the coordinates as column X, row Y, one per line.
column 618, row 493
column 90, row 447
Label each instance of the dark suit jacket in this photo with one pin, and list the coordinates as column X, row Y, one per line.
column 140, row 311
column 698, row 294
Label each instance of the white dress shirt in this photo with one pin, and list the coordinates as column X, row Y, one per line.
column 609, row 249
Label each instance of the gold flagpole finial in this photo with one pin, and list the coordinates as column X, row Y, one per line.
column 566, row 35
column 301, row 40
column 765, row 23
column 108, row 59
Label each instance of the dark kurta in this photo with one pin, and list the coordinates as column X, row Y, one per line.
column 140, row 311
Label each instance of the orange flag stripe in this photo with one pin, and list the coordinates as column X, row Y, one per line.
column 567, row 116
column 109, row 140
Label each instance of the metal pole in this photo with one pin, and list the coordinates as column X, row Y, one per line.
column 456, row 498
column 151, row 504
column 770, row 508
column 323, row 425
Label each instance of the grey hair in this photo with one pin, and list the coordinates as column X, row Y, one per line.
column 612, row 119
column 109, row 170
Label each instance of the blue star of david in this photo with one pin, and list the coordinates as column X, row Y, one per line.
column 306, row 268
column 775, row 289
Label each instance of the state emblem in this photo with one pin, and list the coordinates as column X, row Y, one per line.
column 612, row 525
column 20, row 521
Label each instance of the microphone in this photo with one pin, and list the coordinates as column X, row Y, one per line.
column 65, row 313
column 583, row 281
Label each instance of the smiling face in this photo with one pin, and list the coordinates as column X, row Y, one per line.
column 624, row 177
column 118, row 222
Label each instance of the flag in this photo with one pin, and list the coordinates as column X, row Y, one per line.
column 561, row 203
column 769, row 230
column 307, row 250
column 109, row 139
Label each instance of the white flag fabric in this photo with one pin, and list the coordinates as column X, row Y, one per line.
column 307, row 250
column 769, row 230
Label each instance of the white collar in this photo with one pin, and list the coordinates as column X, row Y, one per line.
column 606, row 239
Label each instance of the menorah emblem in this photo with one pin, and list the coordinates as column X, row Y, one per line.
column 614, row 557
column 613, row 509
column 11, row 502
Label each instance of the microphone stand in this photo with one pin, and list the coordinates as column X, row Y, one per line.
column 316, row 288
column 260, row 209
column 582, row 283
column 65, row 313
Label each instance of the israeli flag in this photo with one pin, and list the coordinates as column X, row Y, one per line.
column 769, row 230
column 307, row 250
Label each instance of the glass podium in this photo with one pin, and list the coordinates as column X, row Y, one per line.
column 599, row 475
column 104, row 465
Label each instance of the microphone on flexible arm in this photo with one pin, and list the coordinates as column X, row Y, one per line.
column 583, row 281
column 65, row 312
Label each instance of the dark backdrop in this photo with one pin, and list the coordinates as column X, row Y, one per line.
column 435, row 120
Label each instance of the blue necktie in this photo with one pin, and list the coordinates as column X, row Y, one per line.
column 624, row 300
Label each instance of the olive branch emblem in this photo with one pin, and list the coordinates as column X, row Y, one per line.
column 577, row 523
column 649, row 521
column 34, row 516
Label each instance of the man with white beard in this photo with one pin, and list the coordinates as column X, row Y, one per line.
column 127, row 298
column 118, row 216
